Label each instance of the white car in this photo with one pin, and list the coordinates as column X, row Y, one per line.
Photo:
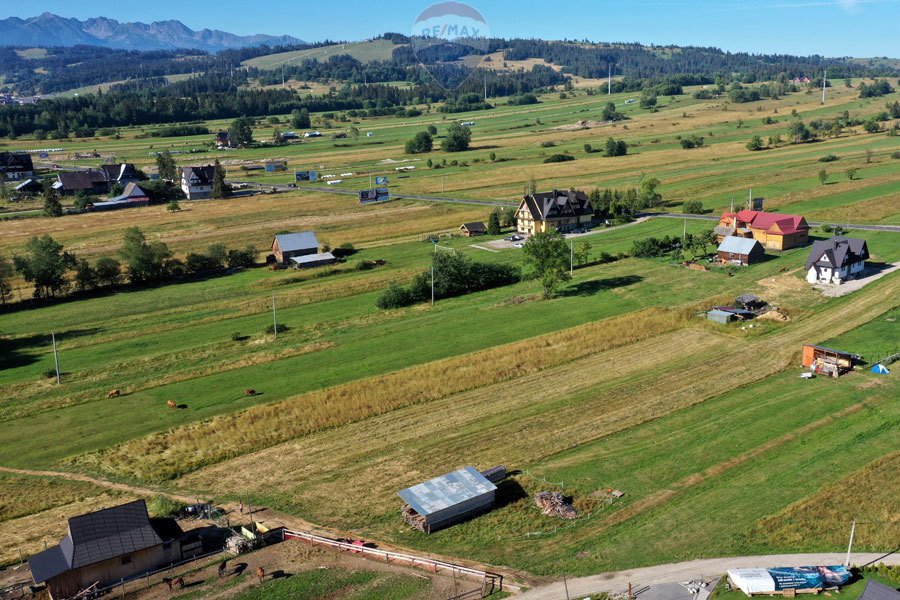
column 519, row 245
column 310, row 134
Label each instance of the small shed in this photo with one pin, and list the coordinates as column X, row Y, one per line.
column 718, row 315
column 740, row 251
column 448, row 499
column 827, row 360
column 309, row 261
column 275, row 165
column 473, row 229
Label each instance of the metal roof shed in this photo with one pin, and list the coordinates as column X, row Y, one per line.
column 450, row 498
column 720, row 316
column 313, row 260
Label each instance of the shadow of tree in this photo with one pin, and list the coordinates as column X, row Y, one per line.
column 594, row 286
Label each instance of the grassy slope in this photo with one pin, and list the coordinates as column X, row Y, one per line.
column 362, row 51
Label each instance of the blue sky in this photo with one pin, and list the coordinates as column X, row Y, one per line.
column 829, row 27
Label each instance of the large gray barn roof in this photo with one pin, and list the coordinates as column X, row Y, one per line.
column 96, row 537
column 879, row 591
column 447, row 490
column 297, row 241
column 737, row 245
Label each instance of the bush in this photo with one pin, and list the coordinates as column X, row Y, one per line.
column 344, row 250
column 548, row 144
column 829, row 158
column 163, row 506
column 692, row 141
column 237, row 337
column 895, row 155
column 395, row 296
column 693, row 207
column 242, row 258
column 270, row 329
column 558, row 158
column 827, row 228
column 420, row 144
column 50, row 373
column 457, row 140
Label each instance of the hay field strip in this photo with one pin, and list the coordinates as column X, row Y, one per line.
column 641, row 427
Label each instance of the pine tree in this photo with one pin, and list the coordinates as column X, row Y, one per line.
column 52, row 205
column 220, row 188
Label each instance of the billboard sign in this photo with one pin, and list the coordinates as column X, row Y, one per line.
column 306, row 175
column 755, row 581
column 374, row 195
column 381, row 180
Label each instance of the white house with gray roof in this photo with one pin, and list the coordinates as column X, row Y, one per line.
column 836, row 260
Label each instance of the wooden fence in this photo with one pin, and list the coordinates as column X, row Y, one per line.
column 490, row 582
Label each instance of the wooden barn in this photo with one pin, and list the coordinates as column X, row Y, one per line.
column 740, row 251
column 286, row 246
column 105, row 547
column 827, row 361
column 473, row 229
column 448, row 499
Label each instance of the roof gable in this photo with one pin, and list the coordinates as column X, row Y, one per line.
column 837, row 252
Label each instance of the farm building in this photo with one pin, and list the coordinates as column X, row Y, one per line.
column 272, row 166
column 774, row 231
column 473, row 229
column 313, row 260
column 222, row 140
column 91, row 182
column 553, row 211
column 197, row 182
column 286, row 246
column 836, row 260
column 131, row 197
column 30, row 186
column 720, row 316
column 827, row 360
column 740, row 251
column 448, row 499
column 123, row 173
column 104, row 547
column 15, row 166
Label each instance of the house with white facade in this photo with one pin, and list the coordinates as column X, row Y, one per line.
column 836, row 260
column 197, row 182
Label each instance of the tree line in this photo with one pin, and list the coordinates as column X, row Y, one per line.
column 55, row 272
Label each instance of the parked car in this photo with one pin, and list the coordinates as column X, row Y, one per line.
column 519, row 245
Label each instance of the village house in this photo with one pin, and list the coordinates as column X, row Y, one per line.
column 774, row 231
column 91, row 182
column 131, row 197
column 740, row 251
column 473, row 229
column 197, row 182
column 123, row 173
column 553, row 211
column 105, row 547
column 15, row 166
column 836, row 260
column 222, row 140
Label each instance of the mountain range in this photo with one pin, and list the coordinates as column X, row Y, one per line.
column 49, row 29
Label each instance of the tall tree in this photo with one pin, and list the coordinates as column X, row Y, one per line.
column 166, row 166
column 6, row 273
column 219, row 188
column 241, row 132
column 457, row 139
column 300, row 119
column 494, row 223
column 45, row 266
column 52, row 205
column 147, row 262
column 547, row 259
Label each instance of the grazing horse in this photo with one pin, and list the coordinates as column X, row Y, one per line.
column 171, row 404
column 222, row 567
column 114, row 394
column 249, row 392
column 260, row 574
column 174, row 583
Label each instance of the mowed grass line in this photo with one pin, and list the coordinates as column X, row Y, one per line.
column 868, row 495
column 171, row 454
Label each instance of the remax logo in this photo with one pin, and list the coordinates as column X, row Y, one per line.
column 444, row 36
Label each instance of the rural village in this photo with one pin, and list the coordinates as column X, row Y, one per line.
column 438, row 318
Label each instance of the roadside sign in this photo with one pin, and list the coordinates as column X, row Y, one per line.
column 381, row 180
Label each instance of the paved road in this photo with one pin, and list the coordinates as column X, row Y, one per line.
column 692, row 570
column 890, row 228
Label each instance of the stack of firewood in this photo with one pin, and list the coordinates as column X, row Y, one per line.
column 415, row 520
column 554, row 504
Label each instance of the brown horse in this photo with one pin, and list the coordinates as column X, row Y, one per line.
column 249, row 392
column 171, row 404
column 174, row 583
column 114, row 394
column 260, row 574
column 223, row 566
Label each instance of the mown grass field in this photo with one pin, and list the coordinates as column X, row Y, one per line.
column 362, row 51
column 718, row 445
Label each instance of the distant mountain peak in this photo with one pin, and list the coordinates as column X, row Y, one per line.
column 49, row 29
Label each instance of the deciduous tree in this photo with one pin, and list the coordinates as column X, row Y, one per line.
column 547, row 259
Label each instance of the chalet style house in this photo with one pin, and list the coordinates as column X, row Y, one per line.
column 559, row 210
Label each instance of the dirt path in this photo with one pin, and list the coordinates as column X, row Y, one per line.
column 694, row 569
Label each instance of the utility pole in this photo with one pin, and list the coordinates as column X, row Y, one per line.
column 55, row 357
column 824, row 80
column 850, row 545
column 684, row 232
column 609, row 82
column 485, row 86
column 274, row 317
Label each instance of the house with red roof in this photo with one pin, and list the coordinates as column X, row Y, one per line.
column 774, row 231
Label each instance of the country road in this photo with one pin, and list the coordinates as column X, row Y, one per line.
column 692, row 570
